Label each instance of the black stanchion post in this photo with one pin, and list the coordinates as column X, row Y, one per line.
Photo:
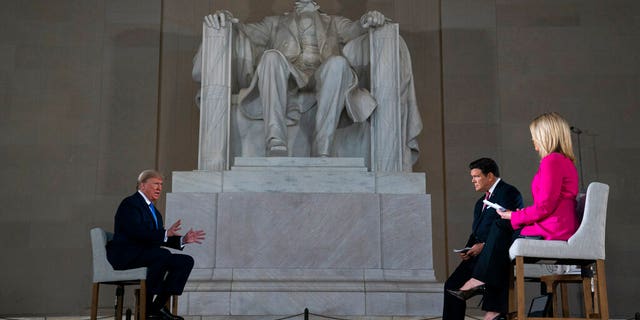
column 306, row 313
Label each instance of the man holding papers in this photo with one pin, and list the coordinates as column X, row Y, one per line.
column 485, row 177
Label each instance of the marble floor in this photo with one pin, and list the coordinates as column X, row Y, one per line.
column 473, row 313
column 111, row 317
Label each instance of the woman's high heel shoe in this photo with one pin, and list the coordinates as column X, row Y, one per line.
column 467, row 294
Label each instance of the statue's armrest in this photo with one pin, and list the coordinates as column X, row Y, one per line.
column 216, row 60
column 386, row 122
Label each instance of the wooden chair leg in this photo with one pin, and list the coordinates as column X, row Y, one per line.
column 601, row 289
column 174, row 305
column 143, row 300
column 512, row 292
column 551, row 289
column 520, row 287
column 119, row 298
column 136, row 312
column 586, row 296
column 94, row 300
column 564, row 299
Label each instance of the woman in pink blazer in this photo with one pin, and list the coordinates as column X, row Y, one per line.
column 554, row 187
column 551, row 217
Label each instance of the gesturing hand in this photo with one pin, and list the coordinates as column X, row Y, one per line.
column 192, row 236
column 175, row 227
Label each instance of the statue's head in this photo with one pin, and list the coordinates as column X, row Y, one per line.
column 305, row 5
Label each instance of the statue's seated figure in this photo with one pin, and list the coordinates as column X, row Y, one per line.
column 299, row 83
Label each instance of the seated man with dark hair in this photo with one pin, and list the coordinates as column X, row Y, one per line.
column 485, row 177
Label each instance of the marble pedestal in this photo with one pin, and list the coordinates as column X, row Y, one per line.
column 285, row 234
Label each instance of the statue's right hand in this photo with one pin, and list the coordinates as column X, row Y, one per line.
column 219, row 19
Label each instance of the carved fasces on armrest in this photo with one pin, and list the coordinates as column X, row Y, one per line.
column 215, row 98
column 386, row 122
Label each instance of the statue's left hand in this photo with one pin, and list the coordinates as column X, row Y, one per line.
column 372, row 19
column 219, row 19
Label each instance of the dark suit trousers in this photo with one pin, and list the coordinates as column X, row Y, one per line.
column 167, row 272
column 454, row 308
column 494, row 265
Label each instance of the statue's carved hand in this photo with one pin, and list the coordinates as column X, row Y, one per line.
column 372, row 19
column 219, row 19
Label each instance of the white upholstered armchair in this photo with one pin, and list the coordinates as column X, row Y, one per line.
column 585, row 248
column 103, row 273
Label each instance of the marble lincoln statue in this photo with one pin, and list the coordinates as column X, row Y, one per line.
column 307, row 51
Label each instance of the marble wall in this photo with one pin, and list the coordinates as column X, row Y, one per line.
column 78, row 120
column 93, row 91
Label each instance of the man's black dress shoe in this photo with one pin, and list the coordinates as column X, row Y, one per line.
column 500, row 317
column 154, row 315
column 167, row 315
column 467, row 294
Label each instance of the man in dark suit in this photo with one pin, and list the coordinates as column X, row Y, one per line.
column 485, row 177
column 139, row 236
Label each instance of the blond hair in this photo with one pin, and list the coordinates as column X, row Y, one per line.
column 551, row 133
column 148, row 174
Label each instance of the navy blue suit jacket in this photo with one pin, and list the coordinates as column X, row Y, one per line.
column 135, row 231
column 505, row 195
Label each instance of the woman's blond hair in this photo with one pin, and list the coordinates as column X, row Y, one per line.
column 551, row 133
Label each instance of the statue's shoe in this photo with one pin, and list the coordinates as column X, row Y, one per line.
column 278, row 151
column 277, row 148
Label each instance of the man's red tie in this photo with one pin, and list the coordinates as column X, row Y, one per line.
column 486, row 197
